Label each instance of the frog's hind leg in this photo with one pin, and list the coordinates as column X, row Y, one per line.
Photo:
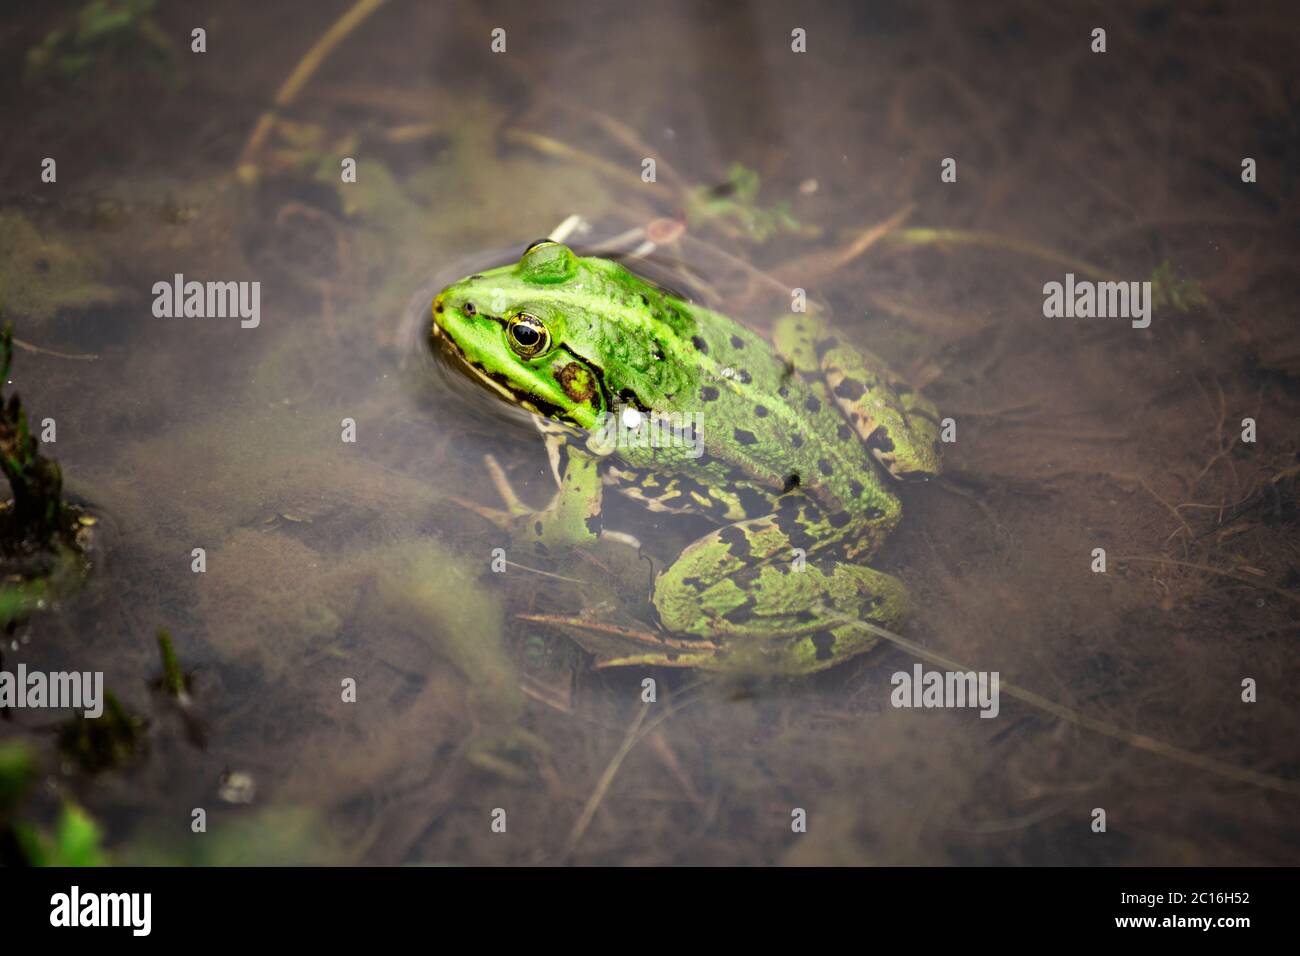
column 778, row 619
column 898, row 424
column 752, row 589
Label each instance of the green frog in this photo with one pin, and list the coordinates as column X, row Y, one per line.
column 788, row 445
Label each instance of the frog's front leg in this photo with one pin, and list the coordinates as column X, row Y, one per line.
column 750, row 588
column 898, row 424
column 572, row 518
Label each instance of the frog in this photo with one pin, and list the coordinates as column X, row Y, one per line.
column 796, row 443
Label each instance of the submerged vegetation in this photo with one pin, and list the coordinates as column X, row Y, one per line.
column 110, row 34
column 109, row 741
column 43, row 539
column 73, row 840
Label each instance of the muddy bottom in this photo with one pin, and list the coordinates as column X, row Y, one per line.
column 1114, row 532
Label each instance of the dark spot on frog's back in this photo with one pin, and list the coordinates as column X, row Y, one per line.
column 701, row 346
column 813, row 404
column 737, row 342
column 851, row 389
column 708, row 394
column 741, row 614
column 824, row 642
column 790, row 522
column 744, row 437
column 736, row 540
column 753, row 503
column 839, row 519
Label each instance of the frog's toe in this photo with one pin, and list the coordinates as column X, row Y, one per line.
column 502, row 519
column 502, row 484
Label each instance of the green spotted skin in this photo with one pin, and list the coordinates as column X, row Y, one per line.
column 801, row 438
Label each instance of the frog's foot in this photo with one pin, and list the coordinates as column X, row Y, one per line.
column 775, row 619
column 752, row 589
column 514, row 508
column 897, row 423
column 572, row 519
column 501, row 482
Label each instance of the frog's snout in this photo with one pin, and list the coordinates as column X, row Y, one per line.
column 437, row 311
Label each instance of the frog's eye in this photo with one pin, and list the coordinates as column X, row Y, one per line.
column 528, row 336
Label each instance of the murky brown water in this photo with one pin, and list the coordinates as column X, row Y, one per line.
column 328, row 560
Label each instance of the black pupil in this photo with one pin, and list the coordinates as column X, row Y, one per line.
column 526, row 335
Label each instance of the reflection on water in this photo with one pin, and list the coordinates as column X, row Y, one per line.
column 328, row 561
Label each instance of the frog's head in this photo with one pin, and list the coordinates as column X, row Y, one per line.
column 563, row 336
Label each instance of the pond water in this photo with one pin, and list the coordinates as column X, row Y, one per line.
column 327, row 561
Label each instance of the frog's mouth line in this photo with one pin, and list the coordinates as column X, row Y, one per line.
column 493, row 380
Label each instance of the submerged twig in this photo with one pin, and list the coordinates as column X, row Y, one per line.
column 560, row 150
column 823, row 263
column 924, row 236
column 296, row 80
column 1291, row 595
column 635, row 734
column 642, row 637
column 81, row 357
column 1139, row 741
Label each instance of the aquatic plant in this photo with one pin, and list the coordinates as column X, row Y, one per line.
column 75, row 840
column 42, row 538
column 36, row 482
column 175, row 682
column 100, row 743
column 98, row 31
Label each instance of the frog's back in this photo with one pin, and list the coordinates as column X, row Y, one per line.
column 761, row 415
